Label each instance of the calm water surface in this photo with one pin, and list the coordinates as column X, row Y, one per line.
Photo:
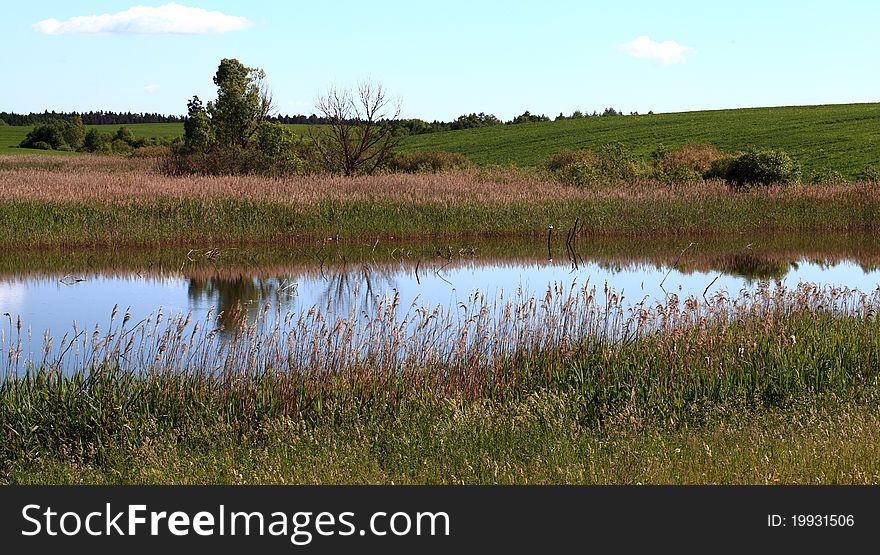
column 50, row 301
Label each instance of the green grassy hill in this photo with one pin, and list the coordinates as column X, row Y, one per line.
column 842, row 137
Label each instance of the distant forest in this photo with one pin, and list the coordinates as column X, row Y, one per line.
column 128, row 118
column 124, row 118
column 413, row 126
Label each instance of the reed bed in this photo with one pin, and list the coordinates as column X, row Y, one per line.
column 94, row 202
column 109, row 179
column 665, row 362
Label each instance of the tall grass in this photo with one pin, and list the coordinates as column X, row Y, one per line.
column 91, row 203
column 673, row 362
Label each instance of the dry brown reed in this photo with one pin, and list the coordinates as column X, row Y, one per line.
column 118, row 180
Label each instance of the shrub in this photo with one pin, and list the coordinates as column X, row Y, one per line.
column 50, row 133
column 616, row 163
column 152, row 151
column 763, row 167
column 680, row 173
column 567, row 157
column 827, row 176
column 870, row 173
column 42, row 145
column 696, row 157
column 421, row 162
column 719, row 168
column 613, row 164
column 688, row 163
column 119, row 146
column 95, row 141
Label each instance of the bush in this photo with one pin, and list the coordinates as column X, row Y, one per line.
column 95, row 141
column 870, row 173
column 827, row 176
column 567, row 157
column 688, row 163
column 616, row 163
column 151, row 151
column 678, row 174
column 696, row 157
column 119, row 146
column 763, row 167
column 422, row 162
column 613, row 164
column 56, row 133
column 42, row 145
column 719, row 168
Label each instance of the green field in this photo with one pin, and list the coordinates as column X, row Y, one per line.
column 11, row 136
column 841, row 137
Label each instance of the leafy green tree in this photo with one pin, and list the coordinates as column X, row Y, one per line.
column 242, row 103
column 763, row 167
column 471, row 121
column 57, row 133
column 197, row 129
column 125, row 135
column 527, row 117
column 95, row 141
column 232, row 134
column 74, row 132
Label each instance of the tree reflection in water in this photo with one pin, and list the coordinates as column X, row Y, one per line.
column 237, row 300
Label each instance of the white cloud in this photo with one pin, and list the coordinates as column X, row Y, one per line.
column 152, row 88
column 147, row 20
column 666, row 52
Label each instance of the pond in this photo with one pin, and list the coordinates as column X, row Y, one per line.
column 47, row 295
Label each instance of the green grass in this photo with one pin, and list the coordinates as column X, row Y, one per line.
column 12, row 135
column 169, row 221
column 146, row 130
column 738, row 403
column 843, row 137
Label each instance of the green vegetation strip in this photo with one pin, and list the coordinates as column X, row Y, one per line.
column 787, row 398
column 185, row 221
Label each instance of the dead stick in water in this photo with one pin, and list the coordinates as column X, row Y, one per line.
column 674, row 264
column 706, row 290
column 549, row 234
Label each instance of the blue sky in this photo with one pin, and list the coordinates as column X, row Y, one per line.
column 443, row 59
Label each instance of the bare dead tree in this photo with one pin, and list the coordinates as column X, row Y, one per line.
column 361, row 134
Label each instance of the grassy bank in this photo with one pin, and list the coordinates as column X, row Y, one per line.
column 773, row 386
column 532, row 441
column 47, row 201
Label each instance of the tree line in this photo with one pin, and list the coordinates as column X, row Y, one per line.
column 89, row 118
column 413, row 126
